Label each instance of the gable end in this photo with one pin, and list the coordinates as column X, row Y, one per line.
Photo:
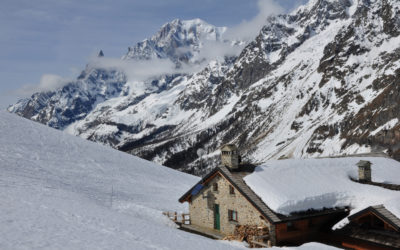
column 241, row 186
column 382, row 213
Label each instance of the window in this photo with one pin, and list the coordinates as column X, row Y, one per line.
column 231, row 189
column 232, row 215
column 215, row 187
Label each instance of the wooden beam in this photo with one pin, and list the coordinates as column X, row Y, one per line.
column 261, row 237
column 259, row 243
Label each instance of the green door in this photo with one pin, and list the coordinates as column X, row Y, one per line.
column 216, row 217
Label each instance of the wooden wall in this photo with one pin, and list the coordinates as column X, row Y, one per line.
column 373, row 220
column 305, row 230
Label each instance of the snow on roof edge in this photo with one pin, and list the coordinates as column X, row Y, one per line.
column 294, row 185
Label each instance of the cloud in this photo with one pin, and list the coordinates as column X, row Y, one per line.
column 51, row 82
column 48, row 82
column 142, row 70
column 215, row 50
column 248, row 30
column 135, row 70
column 239, row 35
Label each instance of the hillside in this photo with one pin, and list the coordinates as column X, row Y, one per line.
column 62, row 192
column 59, row 191
column 320, row 81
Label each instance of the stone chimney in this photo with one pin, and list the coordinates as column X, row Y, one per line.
column 364, row 171
column 230, row 156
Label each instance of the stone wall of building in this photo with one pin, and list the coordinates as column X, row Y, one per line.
column 202, row 207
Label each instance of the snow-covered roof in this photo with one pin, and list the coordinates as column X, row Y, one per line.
column 288, row 186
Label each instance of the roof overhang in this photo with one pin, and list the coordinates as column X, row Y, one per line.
column 382, row 213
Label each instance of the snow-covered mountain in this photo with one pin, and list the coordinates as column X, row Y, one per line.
column 63, row 192
column 178, row 41
column 320, row 81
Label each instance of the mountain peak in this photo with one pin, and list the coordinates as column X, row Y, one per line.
column 174, row 36
column 190, row 22
column 326, row 9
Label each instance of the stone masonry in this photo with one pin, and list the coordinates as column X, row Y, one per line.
column 202, row 207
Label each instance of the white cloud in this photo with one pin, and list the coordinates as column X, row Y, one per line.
column 48, row 82
column 135, row 70
column 218, row 50
column 51, row 82
column 248, row 30
column 241, row 34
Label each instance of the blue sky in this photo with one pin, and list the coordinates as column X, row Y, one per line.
column 57, row 37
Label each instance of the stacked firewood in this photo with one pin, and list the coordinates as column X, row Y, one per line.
column 256, row 236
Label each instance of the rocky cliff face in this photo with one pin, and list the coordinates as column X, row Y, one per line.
column 74, row 101
column 320, row 81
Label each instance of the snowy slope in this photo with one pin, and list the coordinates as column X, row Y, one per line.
column 324, row 183
column 56, row 194
column 62, row 192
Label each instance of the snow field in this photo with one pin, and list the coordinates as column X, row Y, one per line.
column 62, row 192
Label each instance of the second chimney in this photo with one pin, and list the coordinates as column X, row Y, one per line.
column 364, row 171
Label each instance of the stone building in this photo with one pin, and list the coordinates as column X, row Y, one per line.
column 222, row 200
